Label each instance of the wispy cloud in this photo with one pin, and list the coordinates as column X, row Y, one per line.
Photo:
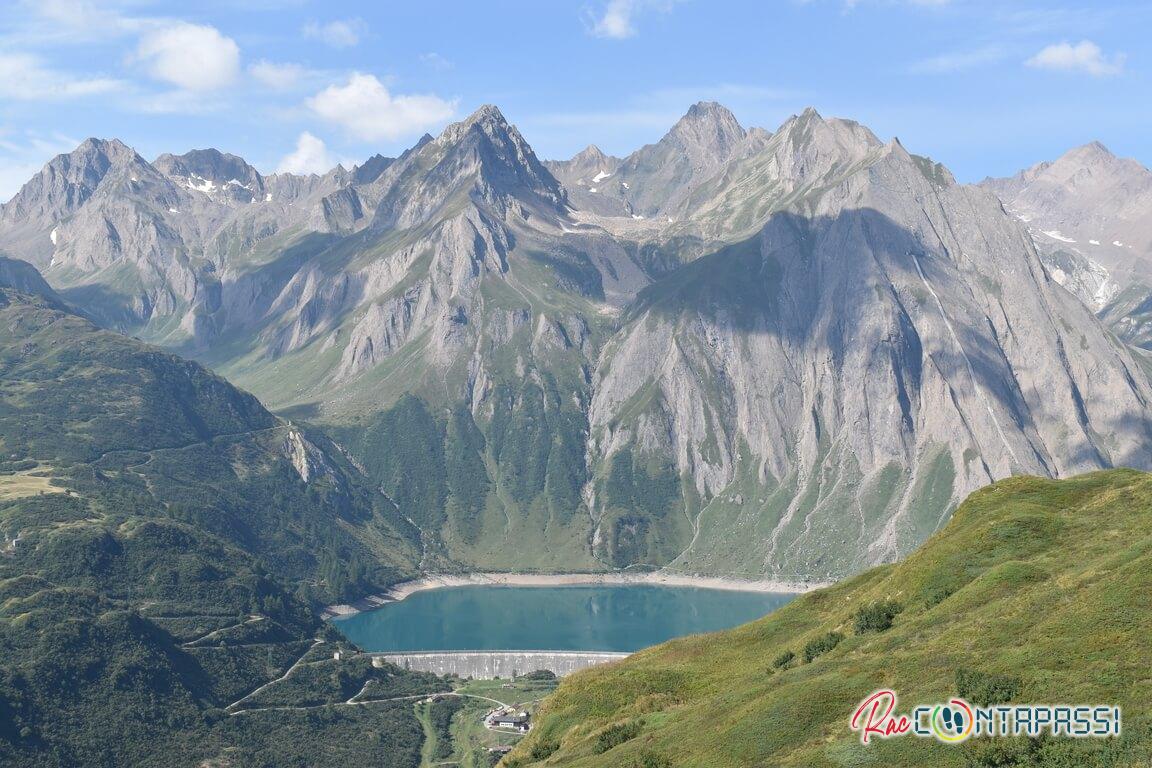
column 959, row 61
column 435, row 61
column 1085, row 57
column 279, row 76
column 616, row 19
column 26, row 77
column 343, row 33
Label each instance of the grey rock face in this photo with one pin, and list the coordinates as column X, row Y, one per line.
column 882, row 343
column 1090, row 214
column 221, row 176
column 732, row 352
column 144, row 247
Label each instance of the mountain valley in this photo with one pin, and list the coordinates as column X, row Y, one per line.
column 778, row 355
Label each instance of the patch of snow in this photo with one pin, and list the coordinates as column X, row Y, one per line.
column 200, row 184
column 671, row 220
column 52, row 236
column 625, row 185
column 592, row 189
column 268, row 197
column 1117, row 243
column 1059, row 276
column 600, row 177
column 133, row 178
column 173, row 210
column 237, row 183
column 638, row 218
column 1094, row 242
column 1055, row 235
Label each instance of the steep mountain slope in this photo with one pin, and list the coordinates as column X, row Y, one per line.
column 885, row 343
column 143, row 247
column 164, row 542
column 1090, row 213
column 659, row 179
column 803, row 353
column 461, row 324
column 1033, row 593
column 98, row 413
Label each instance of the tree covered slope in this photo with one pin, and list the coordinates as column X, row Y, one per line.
column 163, row 543
column 1035, row 592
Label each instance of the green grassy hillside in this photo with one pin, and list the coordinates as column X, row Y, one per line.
column 134, row 430
column 1037, row 591
column 161, row 554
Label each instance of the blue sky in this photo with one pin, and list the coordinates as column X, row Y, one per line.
column 985, row 87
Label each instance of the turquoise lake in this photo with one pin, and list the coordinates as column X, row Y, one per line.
column 570, row 618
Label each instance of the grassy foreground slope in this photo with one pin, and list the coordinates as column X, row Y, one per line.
column 1037, row 591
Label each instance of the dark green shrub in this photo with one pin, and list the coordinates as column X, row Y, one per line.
column 986, row 689
column 821, row 645
column 544, row 749
column 539, row 674
column 616, row 734
column 784, row 660
column 936, row 595
column 650, row 759
column 877, row 617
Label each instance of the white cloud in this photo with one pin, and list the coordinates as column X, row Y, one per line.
column 278, row 77
column 1084, row 56
column 192, row 57
column 310, row 156
column 25, row 77
column 365, row 108
column 338, row 34
column 617, row 18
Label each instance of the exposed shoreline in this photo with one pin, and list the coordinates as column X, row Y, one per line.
column 660, row 578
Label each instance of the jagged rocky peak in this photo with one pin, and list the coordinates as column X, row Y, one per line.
column 1096, row 164
column 1092, row 152
column 708, row 131
column 811, row 128
column 591, row 154
column 370, row 169
column 589, row 166
column 69, row 180
column 218, row 174
column 488, row 146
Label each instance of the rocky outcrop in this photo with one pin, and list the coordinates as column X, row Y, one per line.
column 1090, row 215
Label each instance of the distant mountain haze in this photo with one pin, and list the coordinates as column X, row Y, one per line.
column 1090, row 214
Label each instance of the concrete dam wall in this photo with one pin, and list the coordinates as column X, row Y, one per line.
column 487, row 665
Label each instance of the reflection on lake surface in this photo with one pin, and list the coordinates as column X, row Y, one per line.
column 584, row 618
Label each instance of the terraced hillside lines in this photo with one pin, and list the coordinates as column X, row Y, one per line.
column 1034, row 592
